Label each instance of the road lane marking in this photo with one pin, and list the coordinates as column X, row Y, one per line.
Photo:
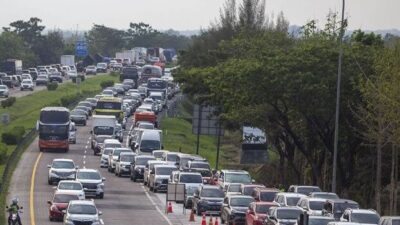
column 158, row 209
column 86, row 147
column 32, row 190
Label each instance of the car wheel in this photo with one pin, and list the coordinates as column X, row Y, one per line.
column 109, row 169
column 155, row 190
column 84, row 124
column 199, row 213
column 101, row 195
column 21, row 89
column 49, row 181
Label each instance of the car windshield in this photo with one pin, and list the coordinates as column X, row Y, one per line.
column 307, row 190
column 368, row 218
column 142, row 161
column 42, row 77
column 100, row 139
column 88, row 175
column 212, row 193
column 241, row 202
column 340, row 207
column 64, row 198
column 82, row 209
column 3, row 87
column 63, row 165
column 325, row 195
column 292, row 201
column 191, row 179
column 238, row 178
column 263, row 209
column 316, row 205
column 149, row 145
column 112, row 145
column 172, row 157
column 267, row 196
column 78, row 112
column 127, row 158
column 26, row 82
column 165, row 170
column 319, row 221
column 69, row 186
column 199, row 166
column 234, row 188
column 288, row 214
column 248, row 190
column 158, row 154
column 102, row 130
column 107, row 151
column 117, row 152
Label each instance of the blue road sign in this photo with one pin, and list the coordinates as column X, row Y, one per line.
column 81, row 49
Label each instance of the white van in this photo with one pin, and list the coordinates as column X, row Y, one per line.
column 149, row 141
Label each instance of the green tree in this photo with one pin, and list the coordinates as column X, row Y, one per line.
column 105, row 40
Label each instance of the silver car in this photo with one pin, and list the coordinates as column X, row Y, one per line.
column 82, row 212
column 61, row 169
column 4, row 92
column 92, row 182
column 123, row 163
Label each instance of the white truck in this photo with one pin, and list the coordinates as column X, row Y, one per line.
column 127, row 56
column 103, row 128
column 68, row 60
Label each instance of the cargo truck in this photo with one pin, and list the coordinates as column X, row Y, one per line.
column 103, row 127
column 12, row 66
column 67, row 60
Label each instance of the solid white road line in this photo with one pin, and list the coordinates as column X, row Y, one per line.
column 158, row 209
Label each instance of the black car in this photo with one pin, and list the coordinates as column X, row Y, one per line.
column 234, row 209
column 78, row 117
column 138, row 165
column 56, row 77
column 131, row 73
column 33, row 74
column 208, row 198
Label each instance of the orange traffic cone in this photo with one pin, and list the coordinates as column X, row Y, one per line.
column 203, row 220
column 216, row 221
column 169, row 207
column 191, row 218
column 210, row 222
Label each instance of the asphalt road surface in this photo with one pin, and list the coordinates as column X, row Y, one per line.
column 124, row 203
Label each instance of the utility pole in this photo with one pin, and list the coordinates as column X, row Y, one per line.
column 339, row 78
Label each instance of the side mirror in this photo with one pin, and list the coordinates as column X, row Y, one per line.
column 100, row 213
column 49, row 202
column 91, row 132
column 76, row 167
column 253, row 181
column 225, row 205
column 64, row 211
column 103, row 179
column 54, row 187
column 49, row 166
column 85, row 189
column 271, row 218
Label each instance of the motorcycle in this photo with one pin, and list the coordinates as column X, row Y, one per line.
column 13, row 219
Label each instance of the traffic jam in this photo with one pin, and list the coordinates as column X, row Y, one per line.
column 125, row 136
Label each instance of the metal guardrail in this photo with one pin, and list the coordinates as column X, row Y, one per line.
column 12, row 161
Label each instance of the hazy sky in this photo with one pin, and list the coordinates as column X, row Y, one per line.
column 189, row 14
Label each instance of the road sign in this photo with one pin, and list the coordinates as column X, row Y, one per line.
column 254, row 146
column 5, row 118
column 81, row 49
column 205, row 121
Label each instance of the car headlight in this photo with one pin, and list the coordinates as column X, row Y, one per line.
column 68, row 222
column 100, row 186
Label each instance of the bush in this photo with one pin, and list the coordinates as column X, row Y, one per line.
column 52, row 86
column 3, row 153
column 68, row 100
column 114, row 74
column 13, row 136
column 107, row 83
column 8, row 102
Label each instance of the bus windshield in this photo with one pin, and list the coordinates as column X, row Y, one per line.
column 109, row 105
column 54, row 117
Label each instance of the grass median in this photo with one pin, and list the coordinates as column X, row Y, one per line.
column 25, row 113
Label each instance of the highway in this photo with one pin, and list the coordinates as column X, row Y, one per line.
column 124, row 203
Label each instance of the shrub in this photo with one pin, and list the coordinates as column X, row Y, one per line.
column 13, row 136
column 114, row 74
column 107, row 83
column 68, row 100
column 52, row 86
column 3, row 153
column 8, row 102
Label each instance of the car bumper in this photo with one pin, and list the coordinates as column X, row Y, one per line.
column 93, row 192
column 56, row 178
column 103, row 163
column 124, row 170
column 56, row 215
column 210, row 208
column 237, row 219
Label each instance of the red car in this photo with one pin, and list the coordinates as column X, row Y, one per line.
column 265, row 194
column 60, row 202
column 257, row 212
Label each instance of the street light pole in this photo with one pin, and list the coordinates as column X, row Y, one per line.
column 339, row 78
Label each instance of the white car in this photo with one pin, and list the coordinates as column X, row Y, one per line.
column 4, row 92
column 71, row 187
column 312, row 206
column 27, row 84
column 288, row 198
column 361, row 216
column 113, row 157
column 123, row 163
column 159, row 177
column 104, row 157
